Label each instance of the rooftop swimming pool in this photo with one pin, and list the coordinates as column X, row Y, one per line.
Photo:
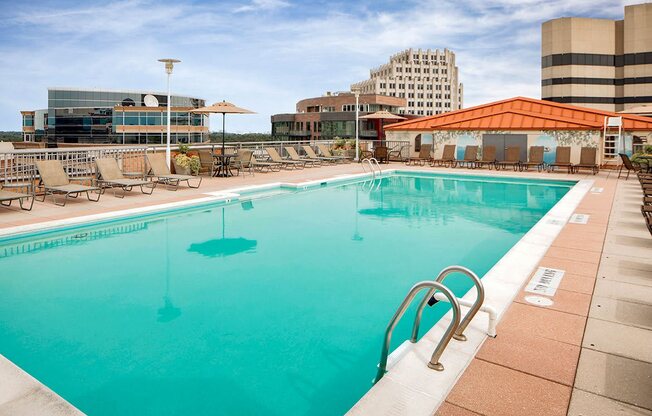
column 273, row 304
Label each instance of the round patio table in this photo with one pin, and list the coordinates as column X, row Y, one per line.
column 223, row 165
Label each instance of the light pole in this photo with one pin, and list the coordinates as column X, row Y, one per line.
column 356, row 92
column 169, row 65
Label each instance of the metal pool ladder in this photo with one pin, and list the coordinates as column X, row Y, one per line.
column 373, row 166
column 455, row 328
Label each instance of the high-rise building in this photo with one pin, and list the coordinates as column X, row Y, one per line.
column 123, row 117
column 427, row 79
column 599, row 63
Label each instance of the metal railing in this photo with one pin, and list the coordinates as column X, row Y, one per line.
column 19, row 165
column 443, row 342
column 454, row 330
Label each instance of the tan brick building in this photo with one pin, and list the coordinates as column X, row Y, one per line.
column 427, row 79
column 599, row 63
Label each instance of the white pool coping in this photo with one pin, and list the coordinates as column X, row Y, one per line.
column 409, row 387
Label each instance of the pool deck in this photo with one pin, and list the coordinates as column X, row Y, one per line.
column 586, row 354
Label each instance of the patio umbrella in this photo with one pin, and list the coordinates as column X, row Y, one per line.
column 224, row 108
column 380, row 116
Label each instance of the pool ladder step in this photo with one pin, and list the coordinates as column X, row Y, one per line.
column 437, row 291
column 374, row 166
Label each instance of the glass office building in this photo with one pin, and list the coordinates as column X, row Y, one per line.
column 119, row 117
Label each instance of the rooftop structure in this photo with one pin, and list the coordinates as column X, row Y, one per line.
column 427, row 79
column 525, row 122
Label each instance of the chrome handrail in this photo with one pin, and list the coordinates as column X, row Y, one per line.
column 434, row 360
column 459, row 333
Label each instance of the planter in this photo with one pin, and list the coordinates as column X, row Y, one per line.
column 180, row 170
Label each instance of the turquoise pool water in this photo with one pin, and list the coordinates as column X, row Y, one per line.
column 274, row 305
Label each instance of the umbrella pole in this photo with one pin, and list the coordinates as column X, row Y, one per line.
column 223, row 131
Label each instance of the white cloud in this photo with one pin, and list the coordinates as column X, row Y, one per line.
column 262, row 5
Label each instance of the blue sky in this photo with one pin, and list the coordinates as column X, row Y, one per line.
column 266, row 54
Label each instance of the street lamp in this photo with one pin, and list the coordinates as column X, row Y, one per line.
column 356, row 92
column 169, row 65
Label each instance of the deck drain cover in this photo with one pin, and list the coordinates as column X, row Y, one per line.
column 596, row 190
column 579, row 219
column 539, row 300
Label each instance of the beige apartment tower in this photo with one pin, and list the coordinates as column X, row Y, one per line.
column 427, row 79
column 599, row 63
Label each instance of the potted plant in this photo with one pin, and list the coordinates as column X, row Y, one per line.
column 184, row 163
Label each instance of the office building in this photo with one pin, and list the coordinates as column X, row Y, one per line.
column 333, row 115
column 122, row 117
column 599, row 63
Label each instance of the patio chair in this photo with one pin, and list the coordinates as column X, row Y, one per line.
column 447, row 157
column 159, row 170
column 512, row 158
column 55, row 181
column 535, row 158
column 381, row 154
column 423, row 157
column 294, row 155
column 628, row 164
column 470, row 157
column 397, row 154
column 265, row 165
column 587, row 160
column 109, row 175
column 275, row 157
column 207, row 162
column 646, row 210
column 242, row 161
column 312, row 155
column 7, row 197
column 488, row 157
column 325, row 151
column 562, row 159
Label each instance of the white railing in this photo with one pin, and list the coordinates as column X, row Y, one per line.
column 19, row 165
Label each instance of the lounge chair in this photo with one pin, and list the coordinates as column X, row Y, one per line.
column 488, row 157
column 262, row 165
column 7, row 197
column 312, row 155
column 535, row 158
column 423, row 157
column 470, row 157
column 275, row 157
column 587, row 160
column 294, row 155
column 562, row 159
column 397, row 154
column 646, row 210
column 55, row 181
column 159, row 170
column 242, row 161
column 325, row 151
column 447, row 157
column 512, row 158
column 109, row 175
column 628, row 164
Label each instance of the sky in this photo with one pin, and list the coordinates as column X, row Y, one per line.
column 265, row 55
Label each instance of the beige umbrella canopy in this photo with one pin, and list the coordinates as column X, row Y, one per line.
column 380, row 116
column 224, row 108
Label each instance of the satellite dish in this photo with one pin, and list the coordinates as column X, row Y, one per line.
column 150, row 101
